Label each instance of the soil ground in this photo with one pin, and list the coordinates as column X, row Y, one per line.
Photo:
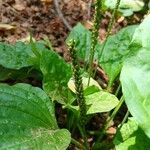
column 42, row 19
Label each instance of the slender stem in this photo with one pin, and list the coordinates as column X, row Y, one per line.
column 33, row 45
column 83, row 134
column 118, row 89
column 89, row 9
column 78, row 144
column 102, row 133
column 123, row 121
column 125, row 117
column 48, row 43
column 60, row 14
column 114, row 113
column 110, row 25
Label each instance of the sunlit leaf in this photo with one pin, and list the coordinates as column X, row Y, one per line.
column 127, row 7
column 135, row 85
column 131, row 137
column 141, row 35
column 71, row 84
column 101, row 102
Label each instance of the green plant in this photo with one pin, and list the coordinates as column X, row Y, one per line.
column 78, row 89
column 29, row 117
column 127, row 53
column 95, row 33
column 127, row 7
column 27, row 112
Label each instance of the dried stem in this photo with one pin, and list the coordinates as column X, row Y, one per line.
column 60, row 14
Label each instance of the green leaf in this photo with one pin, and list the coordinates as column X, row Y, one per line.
column 127, row 7
column 97, row 100
column 88, row 89
column 23, row 98
column 115, row 52
column 56, row 74
column 136, row 87
column 101, row 102
column 141, row 35
column 15, row 56
column 82, row 36
column 27, row 120
column 131, row 137
column 83, row 40
column 91, row 89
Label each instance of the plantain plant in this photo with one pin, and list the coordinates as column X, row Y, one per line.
column 36, row 83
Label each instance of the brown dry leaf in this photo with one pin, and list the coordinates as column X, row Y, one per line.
column 111, row 130
column 5, row 27
column 46, row 1
column 83, row 5
column 19, row 7
column 121, row 19
column 88, row 24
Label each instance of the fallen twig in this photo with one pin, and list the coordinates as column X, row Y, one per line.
column 60, row 14
column 89, row 9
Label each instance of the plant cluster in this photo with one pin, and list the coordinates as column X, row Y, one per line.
column 28, row 111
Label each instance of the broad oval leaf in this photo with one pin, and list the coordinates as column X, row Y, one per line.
column 82, row 36
column 101, row 102
column 115, row 52
column 28, row 120
column 135, row 80
column 56, row 74
column 97, row 102
column 15, row 56
column 131, row 137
